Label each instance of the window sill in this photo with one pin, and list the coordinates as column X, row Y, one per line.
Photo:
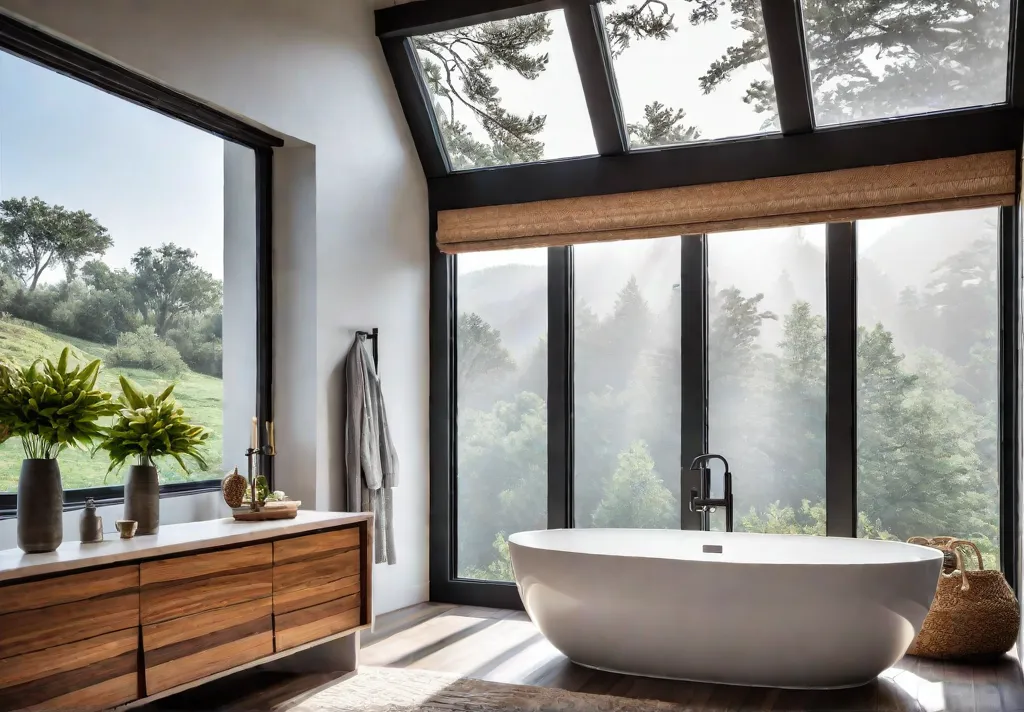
column 110, row 496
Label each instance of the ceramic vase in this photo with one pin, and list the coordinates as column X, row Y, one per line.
column 142, row 498
column 40, row 506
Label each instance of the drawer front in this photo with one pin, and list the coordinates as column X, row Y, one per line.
column 309, row 624
column 312, row 545
column 186, row 649
column 97, row 673
column 194, row 584
column 68, row 589
column 303, row 597
column 321, row 578
column 45, row 614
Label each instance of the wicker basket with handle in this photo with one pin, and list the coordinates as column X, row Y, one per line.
column 974, row 614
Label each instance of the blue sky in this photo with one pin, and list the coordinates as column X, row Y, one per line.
column 147, row 178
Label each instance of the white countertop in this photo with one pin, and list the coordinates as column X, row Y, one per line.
column 169, row 539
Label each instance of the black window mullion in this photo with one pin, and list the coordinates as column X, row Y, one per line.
column 560, row 388
column 785, row 36
column 841, row 380
column 593, row 61
column 1015, row 58
column 694, row 366
column 1009, row 392
column 443, row 384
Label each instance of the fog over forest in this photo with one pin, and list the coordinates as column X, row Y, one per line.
column 927, row 383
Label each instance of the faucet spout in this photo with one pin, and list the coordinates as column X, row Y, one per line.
column 701, row 500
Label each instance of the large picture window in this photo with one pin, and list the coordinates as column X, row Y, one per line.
column 129, row 237
column 731, row 343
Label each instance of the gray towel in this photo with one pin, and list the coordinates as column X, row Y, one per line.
column 371, row 463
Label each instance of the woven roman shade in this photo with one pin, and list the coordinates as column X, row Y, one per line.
column 980, row 180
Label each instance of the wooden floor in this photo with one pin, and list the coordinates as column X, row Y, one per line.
column 504, row 646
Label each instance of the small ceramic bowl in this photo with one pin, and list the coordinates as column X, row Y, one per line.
column 127, row 527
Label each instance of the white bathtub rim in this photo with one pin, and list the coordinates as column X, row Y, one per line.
column 926, row 553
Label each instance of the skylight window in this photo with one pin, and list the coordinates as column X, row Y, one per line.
column 884, row 59
column 506, row 92
column 690, row 71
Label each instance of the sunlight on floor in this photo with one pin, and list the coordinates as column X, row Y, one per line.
column 930, row 695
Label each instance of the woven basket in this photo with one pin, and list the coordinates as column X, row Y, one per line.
column 974, row 614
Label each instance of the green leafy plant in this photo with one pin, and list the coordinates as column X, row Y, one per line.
column 149, row 426
column 51, row 408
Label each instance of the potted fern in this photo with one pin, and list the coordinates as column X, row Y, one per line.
column 147, row 427
column 51, row 409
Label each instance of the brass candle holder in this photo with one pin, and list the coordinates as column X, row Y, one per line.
column 250, row 456
column 254, row 456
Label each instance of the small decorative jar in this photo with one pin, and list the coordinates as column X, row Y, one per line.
column 90, row 526
column 234, row 487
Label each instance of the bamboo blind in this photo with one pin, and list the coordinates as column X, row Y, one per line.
column 980, row 180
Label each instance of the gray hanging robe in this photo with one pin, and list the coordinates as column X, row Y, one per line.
column 371, row 463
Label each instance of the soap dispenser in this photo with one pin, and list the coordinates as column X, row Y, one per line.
column 90, row 526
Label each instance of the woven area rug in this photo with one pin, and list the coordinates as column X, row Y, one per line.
column 403, row 690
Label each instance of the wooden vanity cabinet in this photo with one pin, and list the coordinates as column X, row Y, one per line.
column 96, row 639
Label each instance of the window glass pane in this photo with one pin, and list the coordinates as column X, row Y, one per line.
column 501, row 371
column 506, row 91
column 114, row 224
column 927, row 374
column 627, row 383
column 766, row 376
column 690, row 71
column 880, row 59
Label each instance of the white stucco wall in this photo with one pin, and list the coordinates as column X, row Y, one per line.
column 350, row 214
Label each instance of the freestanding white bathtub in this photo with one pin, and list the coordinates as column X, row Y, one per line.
column 742, row 609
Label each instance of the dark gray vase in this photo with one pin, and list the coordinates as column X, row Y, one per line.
column 40, row 506
column 142, row 498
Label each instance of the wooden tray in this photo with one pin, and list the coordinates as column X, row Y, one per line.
column 266, row 514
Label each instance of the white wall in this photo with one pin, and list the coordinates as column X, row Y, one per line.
column 350, row 254
column 173, row 510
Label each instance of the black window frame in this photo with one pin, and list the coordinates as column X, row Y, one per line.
column 841, row 399
column 801, row 147
column 29, row 43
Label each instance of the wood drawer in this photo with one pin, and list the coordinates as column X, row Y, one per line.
column 311, row 545
column 97, row 673
column 186, row 649
column 302, row 626
column 187, row 585
column 65, row 609
column 307, row 582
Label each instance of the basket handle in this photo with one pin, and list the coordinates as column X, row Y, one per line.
column 955, row 544
column 955, row 547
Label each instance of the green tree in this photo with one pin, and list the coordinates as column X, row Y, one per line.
column 916, row 456
column 458, row 67
column 481, row 354
column 635, row 496
column 880, row 58
column 169, row 284
column 35, row 236
column 661, row 126
column 502, row 465
column 796, row 444
column 807, row 519
column 501, row 568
